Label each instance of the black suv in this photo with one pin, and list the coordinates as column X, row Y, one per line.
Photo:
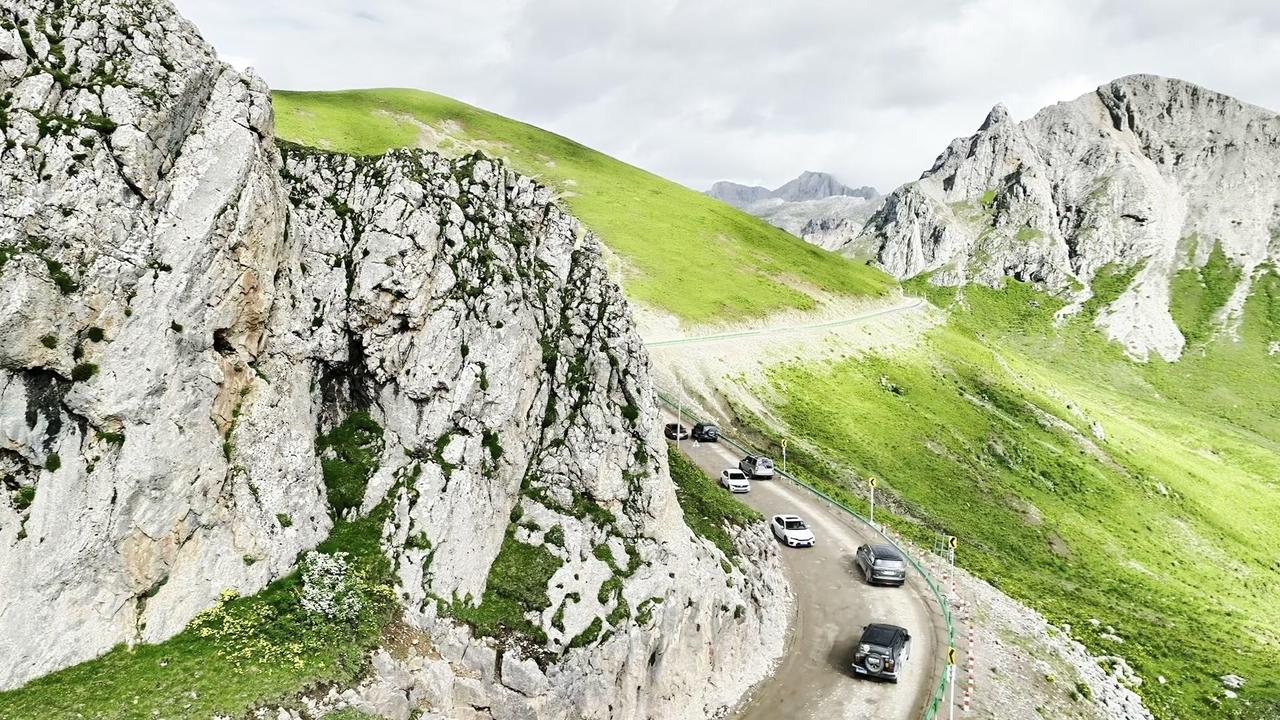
column 881, row 564
column 675, row 431
column 706, row 432
column 882, row 652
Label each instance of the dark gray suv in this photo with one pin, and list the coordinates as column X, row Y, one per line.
column 881, row 564
column 883, row 651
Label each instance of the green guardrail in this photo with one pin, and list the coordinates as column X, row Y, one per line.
column 938, row 699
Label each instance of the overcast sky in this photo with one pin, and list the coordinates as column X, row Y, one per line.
column 702, row 90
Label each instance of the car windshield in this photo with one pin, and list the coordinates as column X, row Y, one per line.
column 795, row 524
column 890, row 564
column 877, row 650
column 736, row 475
column 764, row 462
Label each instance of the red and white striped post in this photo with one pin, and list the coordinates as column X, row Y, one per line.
column 971, row 663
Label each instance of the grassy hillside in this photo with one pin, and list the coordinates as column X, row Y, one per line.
column 1162, row 520
column 684, row 252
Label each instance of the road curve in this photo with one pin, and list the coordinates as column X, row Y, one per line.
column 905, row 303
column 813, row 678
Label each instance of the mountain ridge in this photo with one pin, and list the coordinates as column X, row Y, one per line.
column 808, row 185
column 1145, row 174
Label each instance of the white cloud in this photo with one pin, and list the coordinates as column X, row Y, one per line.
column 700, row 90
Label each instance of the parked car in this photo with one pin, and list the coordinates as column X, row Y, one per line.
column 675, row 431
column 883, row 652
column 756, row 467
column 706, row 432
column 735, row 480
column 791, row 530
column 881, row 564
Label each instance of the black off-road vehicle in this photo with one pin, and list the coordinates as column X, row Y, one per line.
column 706, row 432
column 882, row 652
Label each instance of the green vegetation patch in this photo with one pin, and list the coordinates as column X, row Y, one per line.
column 517, row 585
column 243, row 652
column 349, row 455
column 684, row 252
column 1197, row 294
column 708, row 509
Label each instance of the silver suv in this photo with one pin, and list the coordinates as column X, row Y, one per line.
column 881, row 564
column 756, row 467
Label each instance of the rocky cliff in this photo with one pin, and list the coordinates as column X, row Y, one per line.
column 1142, row 179
column 185, row 307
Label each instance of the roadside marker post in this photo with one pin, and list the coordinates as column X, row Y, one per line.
column 872, row 516
column 951, row 678
column 951, row 568
column 784, row 456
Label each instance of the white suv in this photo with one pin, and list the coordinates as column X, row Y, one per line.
column 735, row 480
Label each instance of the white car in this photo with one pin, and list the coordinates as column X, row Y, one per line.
column 791, row 530
column 734, row 480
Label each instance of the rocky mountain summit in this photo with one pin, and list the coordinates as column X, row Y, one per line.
column 1153, row 182
column 194, row 319
column 814, row 206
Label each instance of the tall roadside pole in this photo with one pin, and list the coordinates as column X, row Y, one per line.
column 872, row 516
column 951, row 558
column 951, row 679
column 784, row 456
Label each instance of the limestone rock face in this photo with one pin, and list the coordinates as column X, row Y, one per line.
column 185, row 306
column 1146, row 174
column 142, row 233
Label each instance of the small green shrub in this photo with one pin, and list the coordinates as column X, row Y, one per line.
column 284, row 520
column 52, row 462
column 83, row 372
column 492, row 443
column 49, row 341
column 111, row 438
column 66, row 284
column 588, row 636
column 24, row 497
column 555, row 536
column 348, row 458
column 95, row 334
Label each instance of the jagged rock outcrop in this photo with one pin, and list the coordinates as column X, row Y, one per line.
column 814, row 206
column 185, row 307
column 1146, row 174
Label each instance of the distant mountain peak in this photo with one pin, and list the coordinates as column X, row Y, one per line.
column 999, row 114
column 809, row 185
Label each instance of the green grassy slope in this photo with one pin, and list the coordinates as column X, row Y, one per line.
column 1165, row 525
column 684, row 252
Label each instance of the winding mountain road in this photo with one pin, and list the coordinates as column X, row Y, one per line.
column 814, row 678
column 904, row 304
